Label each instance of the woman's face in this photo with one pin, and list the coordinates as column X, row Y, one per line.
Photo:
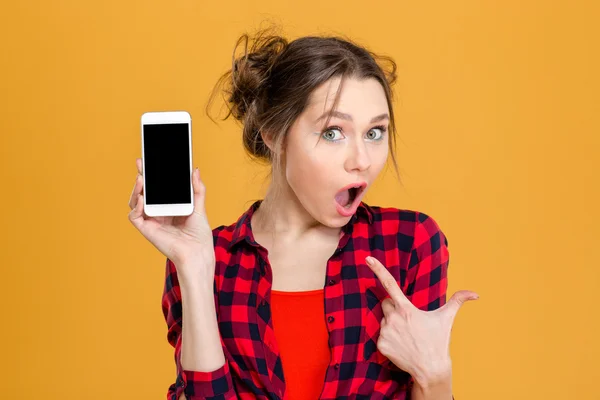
column 322, row 162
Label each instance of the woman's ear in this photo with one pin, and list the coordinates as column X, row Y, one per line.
column 268, row 140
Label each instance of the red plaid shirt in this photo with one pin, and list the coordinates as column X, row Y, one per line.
column 409, row 243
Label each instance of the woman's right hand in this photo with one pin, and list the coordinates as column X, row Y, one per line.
column 185, row 240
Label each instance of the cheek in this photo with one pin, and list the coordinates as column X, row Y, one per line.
column 379, row 158
column 308, row 174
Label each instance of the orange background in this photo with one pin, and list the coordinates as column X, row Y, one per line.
column 498, row 106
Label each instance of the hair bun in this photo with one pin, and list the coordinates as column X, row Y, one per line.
column 271, row 82
column 250, row 71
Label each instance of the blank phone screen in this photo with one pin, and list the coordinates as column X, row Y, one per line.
column 167, row 165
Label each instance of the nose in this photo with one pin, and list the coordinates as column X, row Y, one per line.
column 358, row 158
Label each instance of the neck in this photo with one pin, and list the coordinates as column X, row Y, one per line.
column 281, row 214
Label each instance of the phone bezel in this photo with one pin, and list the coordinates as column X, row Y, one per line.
column 168, row 117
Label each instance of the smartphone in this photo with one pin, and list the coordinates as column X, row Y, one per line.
column 167, row 163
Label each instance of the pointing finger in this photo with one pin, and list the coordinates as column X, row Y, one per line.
column 387, row 305
column 388, row 281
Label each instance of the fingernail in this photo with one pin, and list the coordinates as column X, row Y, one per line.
column 369, row 260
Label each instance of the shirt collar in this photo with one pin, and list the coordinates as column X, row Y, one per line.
column 242, row 230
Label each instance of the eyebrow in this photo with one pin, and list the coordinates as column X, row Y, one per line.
column 348, row 117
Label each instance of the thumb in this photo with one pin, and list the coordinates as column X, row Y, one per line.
column 456, row 301
column 199, row 191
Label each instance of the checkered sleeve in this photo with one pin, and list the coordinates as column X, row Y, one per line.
column 213, row 385
column 428, row 266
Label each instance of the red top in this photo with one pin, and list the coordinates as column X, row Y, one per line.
column 302, row 337
column 410, row 244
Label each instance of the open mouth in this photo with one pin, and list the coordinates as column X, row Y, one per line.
column 347, row 196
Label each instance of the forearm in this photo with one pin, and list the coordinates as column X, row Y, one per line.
column 433, row 389
column 200, row 340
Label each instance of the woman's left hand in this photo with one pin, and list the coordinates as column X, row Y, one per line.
column 416, row 341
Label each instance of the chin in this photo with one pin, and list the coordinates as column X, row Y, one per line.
column 327, row 215
column 335, row 223
column 334, row 220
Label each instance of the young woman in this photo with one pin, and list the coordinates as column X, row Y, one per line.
column 311, row 293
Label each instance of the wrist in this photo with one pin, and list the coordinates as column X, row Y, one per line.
column 197, row 284
column 194, row 272
column 442, row 390
column 434, row 374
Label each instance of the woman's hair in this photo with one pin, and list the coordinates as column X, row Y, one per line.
column 270, row 83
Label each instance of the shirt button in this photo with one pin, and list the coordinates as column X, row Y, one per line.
column 331, row 282
column 330, row 319
column 336, row 366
